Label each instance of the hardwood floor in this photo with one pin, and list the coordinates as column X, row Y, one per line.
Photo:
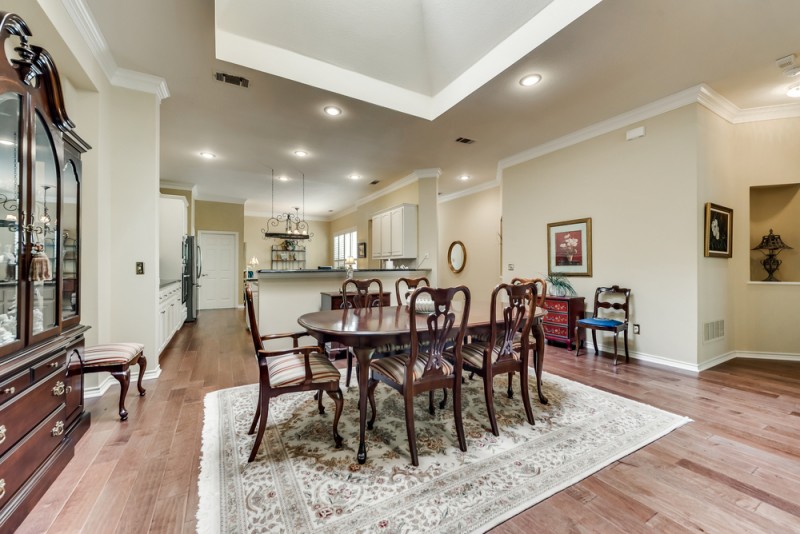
column 736, row 467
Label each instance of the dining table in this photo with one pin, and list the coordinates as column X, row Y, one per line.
column 366, row 329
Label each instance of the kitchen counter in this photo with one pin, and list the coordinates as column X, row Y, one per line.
column 164, row 283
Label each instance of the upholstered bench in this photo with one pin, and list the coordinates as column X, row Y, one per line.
column 116, row 358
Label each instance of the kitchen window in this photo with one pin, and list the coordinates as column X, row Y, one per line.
column 344, row 244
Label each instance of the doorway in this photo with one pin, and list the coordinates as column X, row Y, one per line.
column 220, row 264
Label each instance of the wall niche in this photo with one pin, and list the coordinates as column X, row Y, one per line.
column 776, row 208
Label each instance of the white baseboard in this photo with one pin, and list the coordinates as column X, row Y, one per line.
column 105, row 385
column 783, row 356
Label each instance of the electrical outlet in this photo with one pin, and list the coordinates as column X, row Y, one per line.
column 636, row 329
column 510, row 266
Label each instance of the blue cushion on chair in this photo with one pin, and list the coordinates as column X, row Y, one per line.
column 592, row 321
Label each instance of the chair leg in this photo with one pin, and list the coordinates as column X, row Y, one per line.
column 526, row 396
column 616, row 334
column 412, row 435
column 124, row 379
column 371, row 397
column 262, row 424
column 509, row 391
column 320, row 407
column 142, row 369
column 625, row 335
column 462, row 440
column 444, row 399
column 431, row 409
column 594, row 341
column 488, row 392
column 258, row 412
column 577, row 341
column 338, row 398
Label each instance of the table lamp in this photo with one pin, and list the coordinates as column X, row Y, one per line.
column 348, row 265
column 771, row 245
column 252, row 263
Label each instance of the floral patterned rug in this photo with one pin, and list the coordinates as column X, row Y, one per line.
column 300, row 483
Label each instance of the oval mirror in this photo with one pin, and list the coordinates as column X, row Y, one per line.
column 457, row 256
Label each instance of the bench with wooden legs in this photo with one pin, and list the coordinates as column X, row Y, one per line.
column 116, row 358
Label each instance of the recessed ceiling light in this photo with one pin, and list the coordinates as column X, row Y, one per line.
column 6, row 142
column 464, row 177
column 794, row 91
column 283, row 178
column 300, row 153
column 333, row 111
column 355, row 176
column 207, row 155
column 530, row 79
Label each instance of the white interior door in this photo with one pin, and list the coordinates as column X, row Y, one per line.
column 218, row 279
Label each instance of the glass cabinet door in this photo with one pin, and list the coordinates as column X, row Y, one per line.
column 45, row 231
column 70, row 294
column 10, row 216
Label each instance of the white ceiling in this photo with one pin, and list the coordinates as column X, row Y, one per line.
column 618, row 56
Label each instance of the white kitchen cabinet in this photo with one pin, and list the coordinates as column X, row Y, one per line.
column 172, row 228
column 394, row 233
column 171, row 313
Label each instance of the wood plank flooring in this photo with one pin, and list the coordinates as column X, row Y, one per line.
column 735, row 468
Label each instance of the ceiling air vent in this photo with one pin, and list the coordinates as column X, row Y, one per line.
column 465, row 141
column 374, row 182
column 231, row 79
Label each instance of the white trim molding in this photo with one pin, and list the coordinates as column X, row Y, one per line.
column 105, row 385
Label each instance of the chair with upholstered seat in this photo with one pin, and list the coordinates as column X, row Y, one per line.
column 289, row 371
column 606, row 299
column 403, row 288
column 424, row 367
column 500, row 354
column 362, row 296
column 116, row 358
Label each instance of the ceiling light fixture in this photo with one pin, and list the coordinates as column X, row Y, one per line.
column 794, row 91
column 464, row 177
column 207, row 155
column 355, row 177
column 300, row 153
column 6, row 142
column 333, row 111
column 530, row 79
column 294, row 224
column 283, row 178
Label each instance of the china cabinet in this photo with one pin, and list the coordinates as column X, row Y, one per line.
column 41, row 338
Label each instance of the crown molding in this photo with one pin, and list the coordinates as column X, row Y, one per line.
column 410, row 179
column 176, row 185
column 82, row 17
column 219, row 198
column 467, row 192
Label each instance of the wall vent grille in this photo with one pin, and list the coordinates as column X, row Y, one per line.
column 231, row 79
column 374, row 182
column 713, row 330
column 465, row 140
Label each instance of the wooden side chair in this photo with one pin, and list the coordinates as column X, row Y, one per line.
column 403, row 288
column 289, row 371
column 424, row 367
column 606, row 299
column 360, row 299
column 500, row 354
column 537, row 352
column 116, row 358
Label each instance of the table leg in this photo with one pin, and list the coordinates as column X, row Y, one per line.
column 538, row 334
column 363, row 355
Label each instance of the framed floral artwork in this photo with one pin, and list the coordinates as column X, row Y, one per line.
column 569, row 247
column 362, row 249
column 718, row 232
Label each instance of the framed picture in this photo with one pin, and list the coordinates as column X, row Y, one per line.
column 718, row 231
column 362, row 249
column 569, row 247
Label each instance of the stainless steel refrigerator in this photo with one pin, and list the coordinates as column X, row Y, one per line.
column 192, row 271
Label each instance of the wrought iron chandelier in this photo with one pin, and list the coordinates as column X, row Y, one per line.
column 288, row 225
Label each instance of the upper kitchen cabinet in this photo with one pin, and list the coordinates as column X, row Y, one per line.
column 394, row 233
column 172, row 228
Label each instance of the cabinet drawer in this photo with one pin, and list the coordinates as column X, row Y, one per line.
column 557, row 318
column 555, row 330
column 556, row 305
column 27, row 410
column 22, row 461
column 13, row 386
column 41, row 370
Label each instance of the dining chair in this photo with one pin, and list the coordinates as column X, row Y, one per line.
column 410, row 285
column 424, row 367
column 499, row 354
column 606, row 299
column 291, row 370
column 362, row 298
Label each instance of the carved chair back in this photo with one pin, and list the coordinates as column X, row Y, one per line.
column 517, row 317
column 539, row 282
column 614, row 297
column 410, row 284
column 362, row 297
column 251, row 314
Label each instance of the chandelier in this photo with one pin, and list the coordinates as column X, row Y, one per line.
column 288, row 225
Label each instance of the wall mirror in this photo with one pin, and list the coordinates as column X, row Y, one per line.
column 457, row 256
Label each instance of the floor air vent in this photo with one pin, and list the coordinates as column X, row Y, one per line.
column 231, row 79
column 713, row 330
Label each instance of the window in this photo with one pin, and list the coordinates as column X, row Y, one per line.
column 344, row 244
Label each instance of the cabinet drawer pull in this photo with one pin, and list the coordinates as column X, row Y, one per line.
column 2, row 433
column 58, row 389
column 2, row 488
column 9, row 391
column 53, row 365
column 58, row 429
column 69, row 389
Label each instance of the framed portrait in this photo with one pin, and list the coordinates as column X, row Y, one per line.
column 569, row 247
column 362, row 249
column 718, row 231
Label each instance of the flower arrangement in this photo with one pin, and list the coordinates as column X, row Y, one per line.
column 570, row 245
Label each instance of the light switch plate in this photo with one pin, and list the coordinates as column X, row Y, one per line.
column 139, row 267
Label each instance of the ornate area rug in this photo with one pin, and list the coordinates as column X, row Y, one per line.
column 300, row 483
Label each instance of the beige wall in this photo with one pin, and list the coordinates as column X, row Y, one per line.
column 223, row 217
column 776, row 208
column 475, row 221
column 317, row 248
column 642, row 198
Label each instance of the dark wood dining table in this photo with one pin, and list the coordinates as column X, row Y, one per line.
column 366, row 329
